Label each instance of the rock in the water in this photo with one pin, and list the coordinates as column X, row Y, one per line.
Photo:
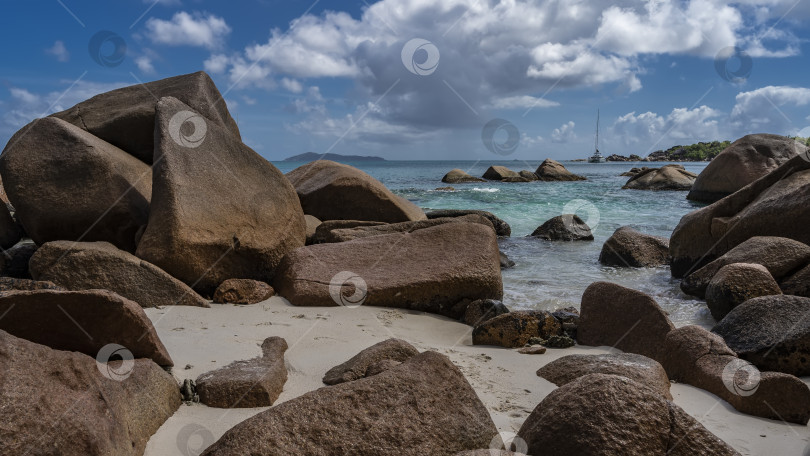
column 528, row 175
column 774, row 205
column 497, row 172
column 630, row 248
column 643, row 370
column 798, row 284
column 445, row 189
column 82, row 321
column 669, row 177
column 10, row 232
column 312, row 227
column 432, row 270
column 501, row 227
column 391, row 349
column 780, row 256
column 243, row 291
column 100, row 265
column 126, row 117
column 736, row 283
column 514, row 329
column 333, row 191
column 13, row 284
column 633, row 171
column 744, row 161
column 506, row 263
column 67, row 184
column 566, row 227
column 702, row 359
column 255, row 382
column 349, row 234
column 551, row 170
column 482, row 310
column 14, row 261
column 219, row 210
column 619, row 317
column 457, row 176
column 613, row 415
column 424, row 405
column 66, row 403
column 772, row 332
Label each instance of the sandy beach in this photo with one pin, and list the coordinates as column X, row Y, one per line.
column 200, row 340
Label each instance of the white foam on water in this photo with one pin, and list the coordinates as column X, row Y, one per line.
column 487, row 190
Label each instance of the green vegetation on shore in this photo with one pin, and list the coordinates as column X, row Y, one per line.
column 702, row 151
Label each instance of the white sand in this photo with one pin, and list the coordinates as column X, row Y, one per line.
column 320, row 338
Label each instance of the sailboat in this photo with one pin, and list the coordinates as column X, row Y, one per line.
column 596, row 157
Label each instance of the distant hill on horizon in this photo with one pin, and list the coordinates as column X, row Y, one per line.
column 312, row 156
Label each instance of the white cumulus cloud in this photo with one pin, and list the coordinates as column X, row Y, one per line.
column 198, row 29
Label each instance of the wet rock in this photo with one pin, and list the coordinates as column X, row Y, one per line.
column 457, row 176
column 357, row 367
column 506, row 263
column 496, row 172
column 566, row 227
column 669, row 177
column 630, row 248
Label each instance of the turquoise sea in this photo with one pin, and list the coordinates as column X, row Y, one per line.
column 549, row 275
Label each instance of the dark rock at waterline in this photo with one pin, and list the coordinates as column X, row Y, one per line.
column 482, row 310
column 357, row 367
column 514, row 329
column 669, row 177
column 551, row 170
column 736, row 283
column 566, row 227
column 496, row 172
column 457, row 176
column 630, row 248
column 506, row 263
column 501, row 227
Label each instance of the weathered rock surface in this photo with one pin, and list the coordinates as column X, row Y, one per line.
column 772, row 332
column 312, row 227
column 100, row 265
column 126, row 117
column 566, row 227
column 10, row 232
column 14, row 261
column 501, row 227
column 67, row 184
column 433, row 270
column 358, row 232
column 668, row 177
column 357, row 367
column 528, row 175
column 482, row 310
column 639, row 368
column 736, row 283
column 82, row 321
column 423, row 406
column 619, row 317
column 497, row 172
column 514, row 329
column 255, row 382
column 60, row 402
column 259, row 221
column 14, row 284
column 744, row 161
column 333, row 191
column 551, row 170
column 630, row 248
column 457, row 176
column 324, row 231
column 797, row 284
column 613, row 415
column 243, row 291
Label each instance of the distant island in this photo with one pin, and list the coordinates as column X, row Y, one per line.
column 702, row 151
column 312, row 156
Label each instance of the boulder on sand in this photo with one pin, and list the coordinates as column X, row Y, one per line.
column 219, row 209
column 424, row 405
column 457, row 176
column 356, row 368
column 68, row 403
column 496, row 172
column 67, row 184
column 736, row 283
column 126, row 117
column 566, row 227
column 514, row 329
column 439, row 270
column 501, row 227
column 243, row 291
column 334, row 191
column 100, row 265
column 668, row 177
column 744, row 161
column 551, row 170
column 630, row 248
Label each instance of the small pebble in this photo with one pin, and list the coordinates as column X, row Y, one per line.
column 532, row 350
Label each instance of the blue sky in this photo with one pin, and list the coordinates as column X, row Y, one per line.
column 332, row 76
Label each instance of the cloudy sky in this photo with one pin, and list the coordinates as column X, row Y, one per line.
column 419, row 79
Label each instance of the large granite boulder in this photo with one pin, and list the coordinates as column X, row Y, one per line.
column 622, row 318
column 67, row 184
column 515, row 329
column 66, row 403
column 255, row 382
column 501, row 227
column 243, row 291
column 82, row 321
column 439, row 270
column 496, row 172
column 528, row 175
column 551, row 170
column 744, row 161
column 630, row 248
column 566, row 227
column 10, row 232
column 639, row 368
column 774, row 205
column 391, row 349
column 668, row 177
column 422, row 406
column 457, row 176
column 219, row 210
column 772, row 332
column 358, row 232
column 100, row 265
column 334, row 191
column 613, row 415
column 126, row 117
column 736, row 283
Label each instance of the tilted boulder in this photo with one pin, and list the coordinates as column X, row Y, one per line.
column 566, row 227
column 514, row 329
column 551, row 170
column 736, row 283
column 357, row 367
column 497, row 172
column 501, row 227
column 668, row 177
column 457, row 176
column 630, row 248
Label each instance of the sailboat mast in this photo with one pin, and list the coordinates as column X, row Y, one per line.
column 596, row 145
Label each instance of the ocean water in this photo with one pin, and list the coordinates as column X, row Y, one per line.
column 549, row 275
